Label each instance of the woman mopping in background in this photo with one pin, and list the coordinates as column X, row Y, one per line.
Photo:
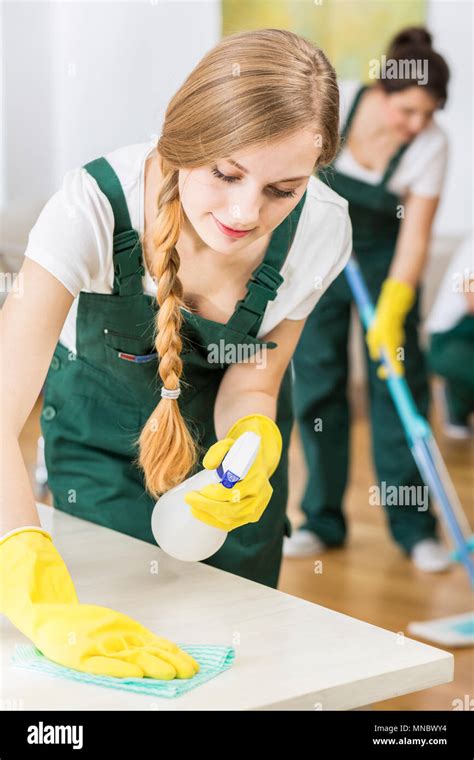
column 391, row 170
column 236, row 229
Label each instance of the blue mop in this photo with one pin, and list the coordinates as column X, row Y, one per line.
column 457, row 630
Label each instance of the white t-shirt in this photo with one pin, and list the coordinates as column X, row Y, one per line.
column 451, row 305
column 73, row 239
column 422, row 167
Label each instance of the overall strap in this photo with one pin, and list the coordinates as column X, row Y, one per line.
column 326, row 173
column 266, row 279
column 127, row 249
column 352, row 111
column 393, row 163
column 394, row 160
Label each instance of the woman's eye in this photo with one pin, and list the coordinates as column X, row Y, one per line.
column 282, row 193
column 273, row 190
column 224, row 177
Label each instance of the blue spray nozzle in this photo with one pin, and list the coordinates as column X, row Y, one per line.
column 228, row 478
column 238, row 459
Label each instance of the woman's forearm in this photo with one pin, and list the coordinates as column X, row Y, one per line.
column 18, row 505
column 250, row 389
column 230, row 407
column 413, row 239
column 408, row 266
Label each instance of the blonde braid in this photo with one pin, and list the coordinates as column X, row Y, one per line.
column 167, row 450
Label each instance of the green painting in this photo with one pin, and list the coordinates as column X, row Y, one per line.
column 351, row 32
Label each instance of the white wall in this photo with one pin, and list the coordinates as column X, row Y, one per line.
column 450, row 22
column 82, row 78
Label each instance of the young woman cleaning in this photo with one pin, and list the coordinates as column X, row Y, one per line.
column 217, row 234
column 391, row 169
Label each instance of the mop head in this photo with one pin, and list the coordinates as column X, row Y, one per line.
column 454, row 631
column 456, row 557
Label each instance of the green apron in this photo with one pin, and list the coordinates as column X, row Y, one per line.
column 96, row 403
column 321, row 374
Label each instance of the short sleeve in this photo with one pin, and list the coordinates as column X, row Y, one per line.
column 343, row 250
column 431, row 172
column 72, row 235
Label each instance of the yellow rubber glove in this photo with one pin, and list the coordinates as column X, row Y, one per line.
column 386, row 332
column 229, row 508
column 37, row 594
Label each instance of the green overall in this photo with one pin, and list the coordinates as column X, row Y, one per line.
column 97, row 402
column 450, row 356
column 321, row 375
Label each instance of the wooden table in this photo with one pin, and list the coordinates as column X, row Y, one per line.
column 290, row 654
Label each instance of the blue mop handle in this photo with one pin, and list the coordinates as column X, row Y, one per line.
column 418, row 432
column 413, row 423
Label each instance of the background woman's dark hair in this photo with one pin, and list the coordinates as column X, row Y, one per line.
column 415, row 43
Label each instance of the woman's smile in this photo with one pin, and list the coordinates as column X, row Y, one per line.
column 231, row 231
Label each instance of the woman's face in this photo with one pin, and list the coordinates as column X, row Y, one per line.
column 255, row 198
column 408, row 112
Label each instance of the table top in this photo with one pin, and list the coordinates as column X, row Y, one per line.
column 290, row 653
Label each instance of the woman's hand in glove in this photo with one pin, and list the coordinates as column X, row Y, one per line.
column 38, row 596
column 229, row 508
column 386, row 332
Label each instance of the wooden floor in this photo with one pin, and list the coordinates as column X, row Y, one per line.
column 370, row 579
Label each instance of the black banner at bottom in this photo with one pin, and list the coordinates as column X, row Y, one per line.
column 372, row 733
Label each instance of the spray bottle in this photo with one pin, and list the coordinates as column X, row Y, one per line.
column 174, row 527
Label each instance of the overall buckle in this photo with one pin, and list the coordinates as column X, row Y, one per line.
column 267, row 276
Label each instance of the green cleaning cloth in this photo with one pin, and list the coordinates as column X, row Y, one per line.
column 212, row 659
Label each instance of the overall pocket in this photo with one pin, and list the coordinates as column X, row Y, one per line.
column 133, row 344
column 133, row 360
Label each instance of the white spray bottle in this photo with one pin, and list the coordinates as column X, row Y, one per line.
column 175, row 529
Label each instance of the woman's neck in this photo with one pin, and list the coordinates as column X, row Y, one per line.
column 371, row 114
